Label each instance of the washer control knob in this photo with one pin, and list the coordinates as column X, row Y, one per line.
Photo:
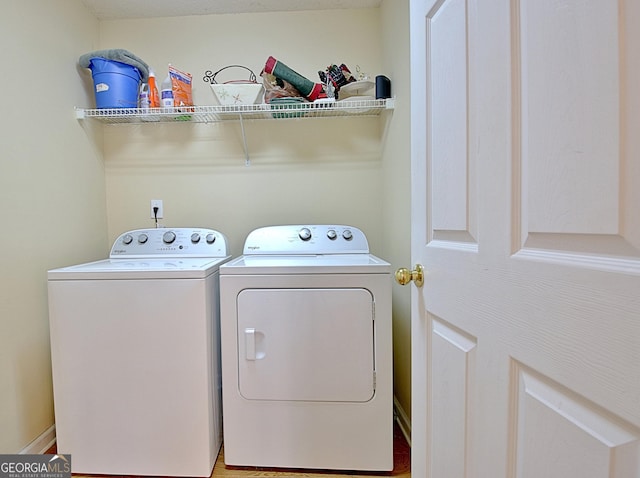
column 195, row 237
column 168, row 237
column 127, row 239
column 347, row 234
column 304, row 234
column 332, row 234
column 142, row 238
column 211, row 238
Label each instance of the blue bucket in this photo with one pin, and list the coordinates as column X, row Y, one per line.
column 116, row 84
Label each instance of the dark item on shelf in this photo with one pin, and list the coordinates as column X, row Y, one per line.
column 383, row 87
column 337, row 77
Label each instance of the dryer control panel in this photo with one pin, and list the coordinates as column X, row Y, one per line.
column 180, row 242
column 306, row 239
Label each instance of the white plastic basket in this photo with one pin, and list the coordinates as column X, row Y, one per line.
column 235, row 92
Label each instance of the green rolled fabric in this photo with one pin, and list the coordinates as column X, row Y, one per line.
column 306, row 87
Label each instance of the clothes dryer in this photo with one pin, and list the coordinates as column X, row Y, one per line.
column 135, row 355
column 307, row 351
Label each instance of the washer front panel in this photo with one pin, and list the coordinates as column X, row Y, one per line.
column 135, row 370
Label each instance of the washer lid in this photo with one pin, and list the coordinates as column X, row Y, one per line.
column 306, row 264
column 155, row 268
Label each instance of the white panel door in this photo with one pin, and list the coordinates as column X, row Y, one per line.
column 525, row 193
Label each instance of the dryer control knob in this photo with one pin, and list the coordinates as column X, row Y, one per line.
column 127, row 239
column 169, row 237
column 304, row 234
column 347, row 234
column 211, row 238
column 142, row 238
column 195, row 237
column 331, row 234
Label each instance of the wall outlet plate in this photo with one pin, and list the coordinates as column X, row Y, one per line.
column 157, row 203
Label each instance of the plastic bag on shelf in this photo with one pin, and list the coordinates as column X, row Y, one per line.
column 181, row 85
column 278, row 88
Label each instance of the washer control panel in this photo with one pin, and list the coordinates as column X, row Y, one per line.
column 180, row 242
column 306, row 239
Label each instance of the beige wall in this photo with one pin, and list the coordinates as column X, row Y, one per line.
column 94, row 182
column 52, row 197
column 396, row 186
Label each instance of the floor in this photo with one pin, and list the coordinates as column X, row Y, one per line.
column 401, row 469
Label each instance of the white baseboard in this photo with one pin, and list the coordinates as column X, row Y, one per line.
column 42, row 443
column 403, row 420
column 47, row 438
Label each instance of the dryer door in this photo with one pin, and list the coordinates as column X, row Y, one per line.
column 306, row 344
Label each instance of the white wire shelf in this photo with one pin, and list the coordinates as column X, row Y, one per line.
column 212, row 114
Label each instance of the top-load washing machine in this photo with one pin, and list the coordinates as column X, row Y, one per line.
column 307, row 351
column 135, row 355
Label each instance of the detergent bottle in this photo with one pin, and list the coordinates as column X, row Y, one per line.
column 166, row 92
column 143, row 97
column 154, row 97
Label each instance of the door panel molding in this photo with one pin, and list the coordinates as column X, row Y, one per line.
column 453, row 373
column 562, row 210
column 557, row 433
column 451, row 175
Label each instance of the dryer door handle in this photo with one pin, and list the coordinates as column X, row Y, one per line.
column 250, row 343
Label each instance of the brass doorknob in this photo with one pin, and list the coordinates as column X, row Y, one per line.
column 404, row 275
